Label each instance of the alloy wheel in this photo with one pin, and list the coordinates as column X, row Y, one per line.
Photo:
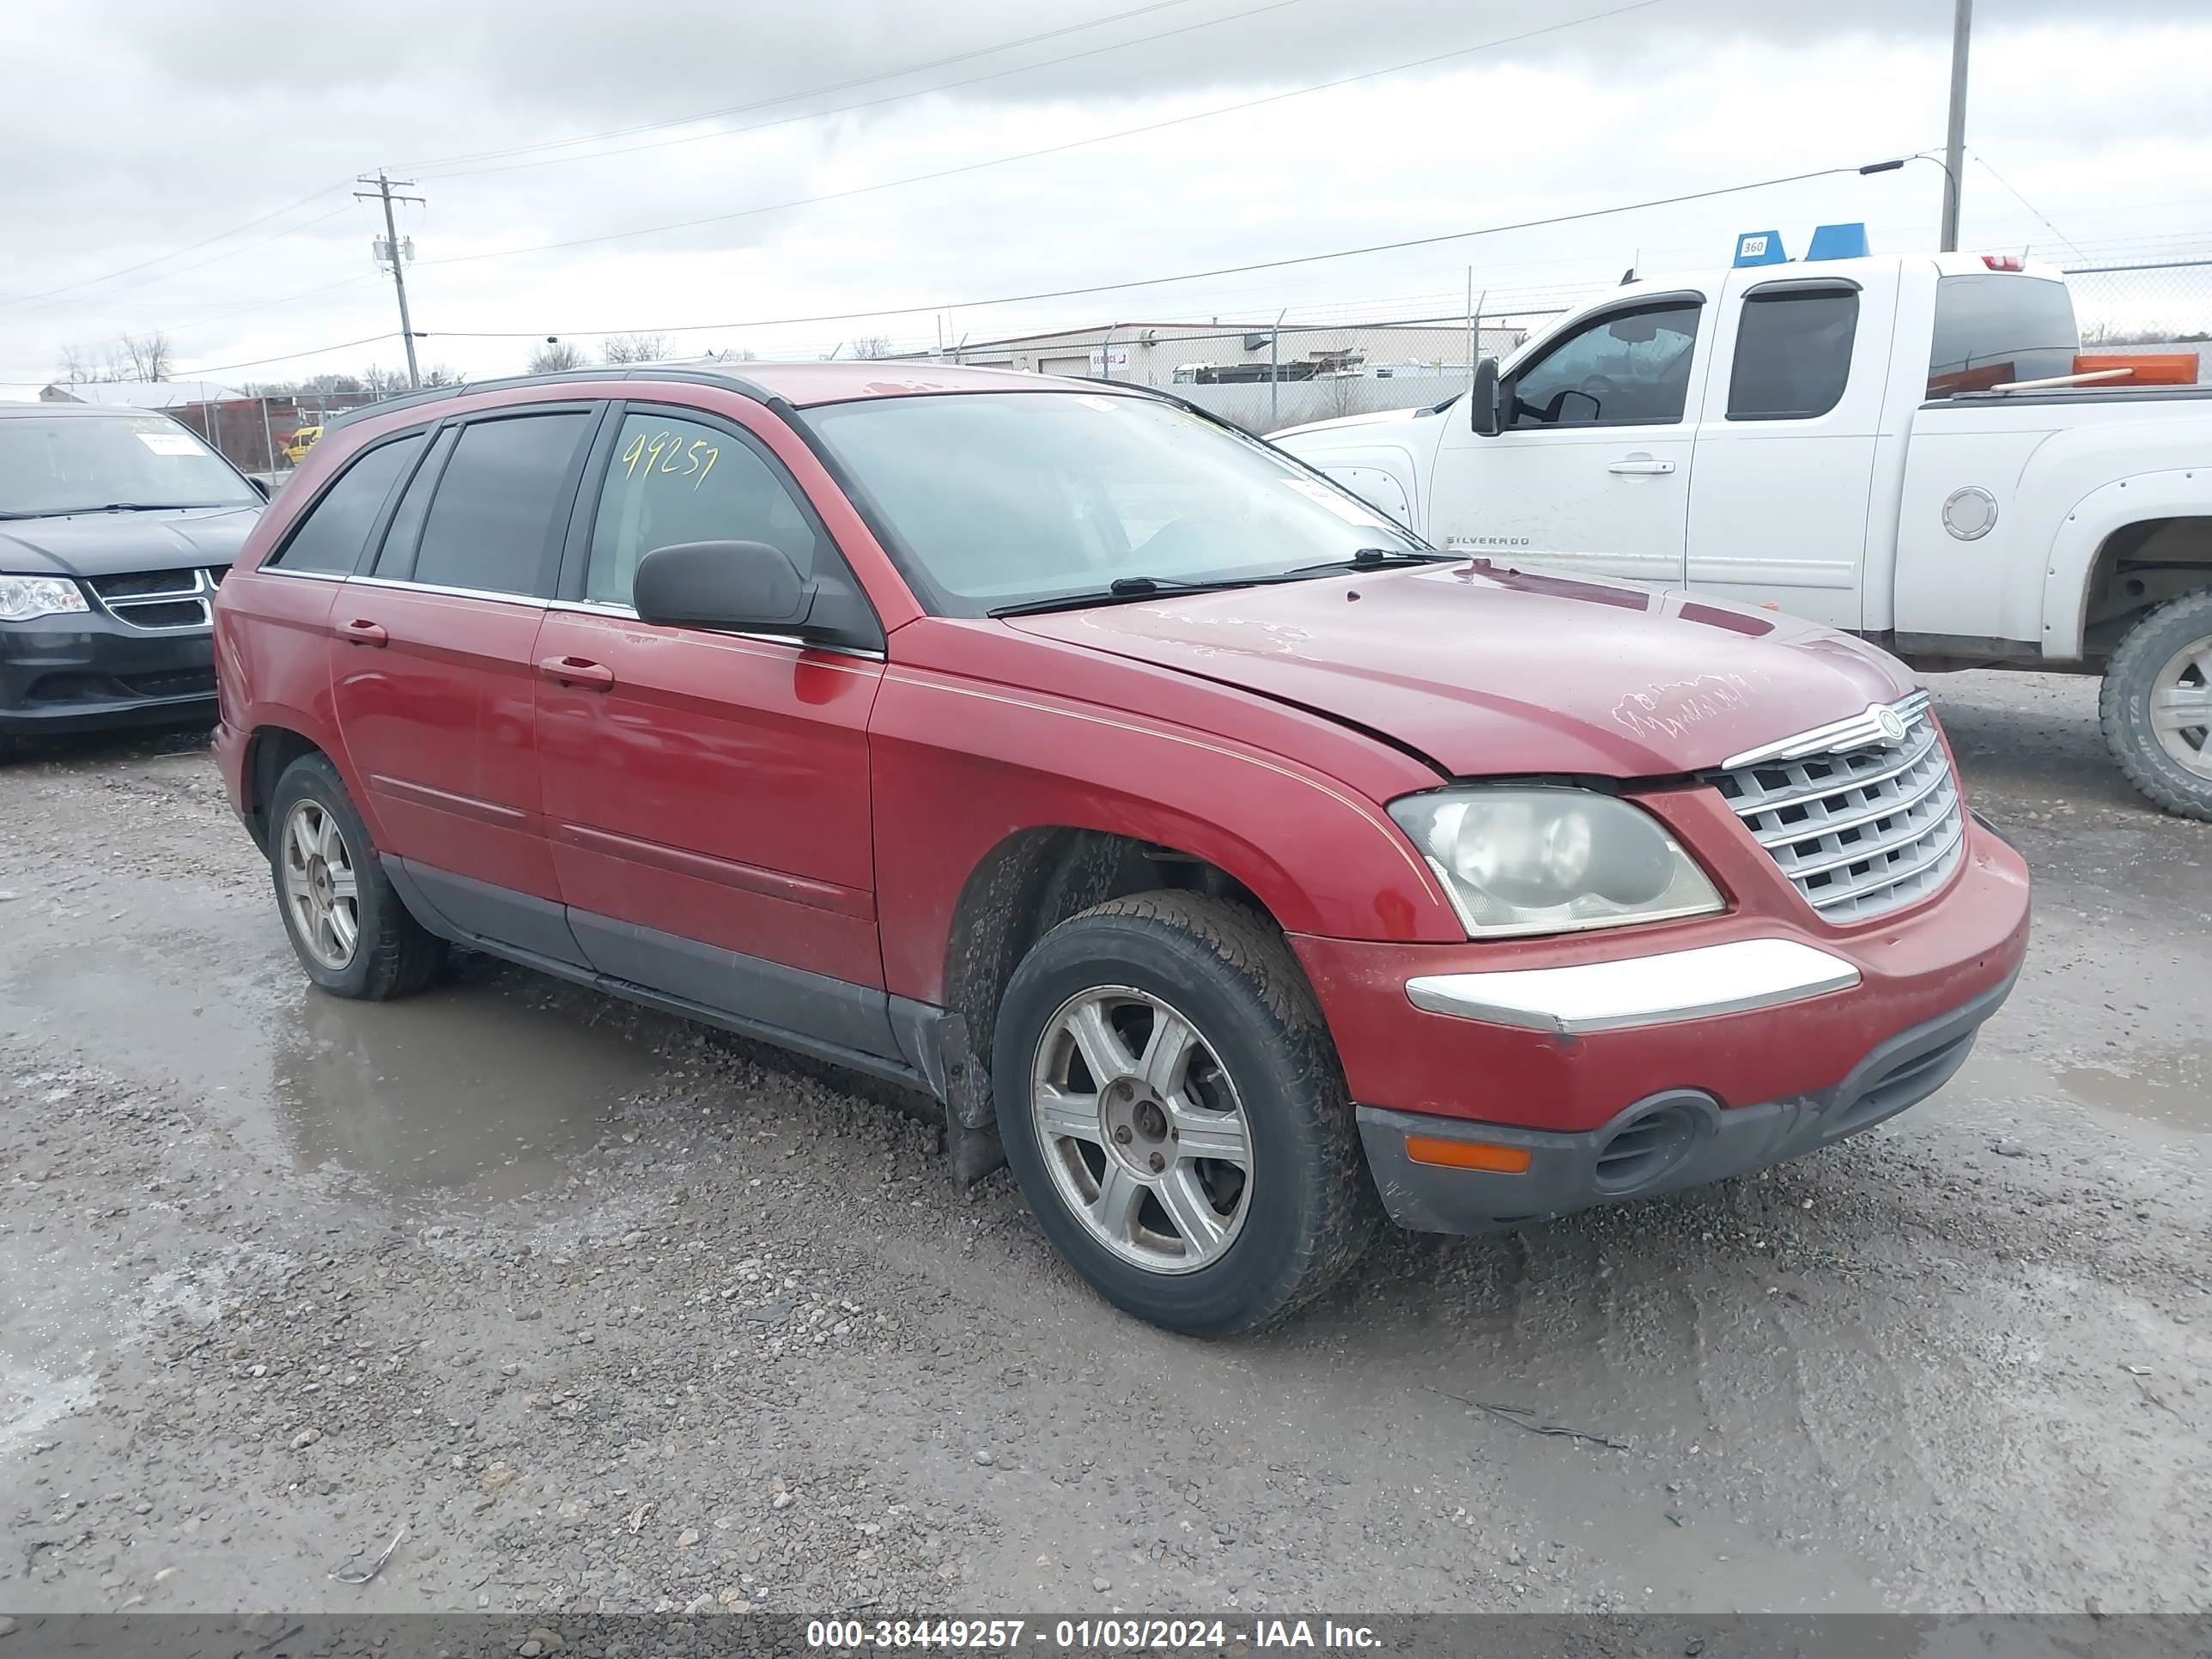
column 320, row 887
column 1142, row 1131
column 2181, row 707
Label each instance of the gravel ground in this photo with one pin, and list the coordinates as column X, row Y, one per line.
column 595, row 1310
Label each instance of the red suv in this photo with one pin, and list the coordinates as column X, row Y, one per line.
column 1238, row 865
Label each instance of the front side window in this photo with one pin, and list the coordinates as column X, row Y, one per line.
column 1793, row 355
column 1993, row 327
column 331, row 536
column 54, row 464
column 489, row 528
column 1627, row 369
column 1011, row 498
column 673, row 481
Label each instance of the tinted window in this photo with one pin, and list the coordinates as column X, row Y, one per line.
column 1793, row 355
column 1628, row 368
column 1995, row 327
column 331, row 536
column 396, row 558
column 489, row 526
column 673, row 481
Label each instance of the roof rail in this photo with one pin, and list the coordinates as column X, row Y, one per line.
column 736, row 383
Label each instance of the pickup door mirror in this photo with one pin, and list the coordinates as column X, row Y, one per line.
column 1484, row 403
column 735, row 585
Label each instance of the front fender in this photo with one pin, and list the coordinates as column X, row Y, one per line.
column 2174, row 492
column 960, row 765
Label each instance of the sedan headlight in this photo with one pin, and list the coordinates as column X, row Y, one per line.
column 22, row 598
column 1551, row 861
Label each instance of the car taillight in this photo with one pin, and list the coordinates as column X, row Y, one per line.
column 2003, row 261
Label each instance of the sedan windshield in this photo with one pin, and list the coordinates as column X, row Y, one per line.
column 1003, row 499
column 57, row 463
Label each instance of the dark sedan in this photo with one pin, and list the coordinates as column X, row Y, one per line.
column 115, row 526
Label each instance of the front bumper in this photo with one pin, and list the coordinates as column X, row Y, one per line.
column 1674, row 1139
column 90, row 672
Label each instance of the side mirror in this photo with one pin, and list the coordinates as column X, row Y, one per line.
column 1483, row 403
column 260, row 486
column 739, row 585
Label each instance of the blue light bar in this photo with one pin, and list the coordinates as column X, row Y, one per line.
column 1837, row 242
column 1761, row 247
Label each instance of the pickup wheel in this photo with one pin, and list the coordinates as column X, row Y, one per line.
column 2156, row 705
column 347, row 924
column 1171, row 1104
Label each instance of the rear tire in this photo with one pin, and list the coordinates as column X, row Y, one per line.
column 1196, row 1242
column 347, row 924
column 2159, row 677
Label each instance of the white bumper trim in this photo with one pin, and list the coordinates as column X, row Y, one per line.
column 1655, row 990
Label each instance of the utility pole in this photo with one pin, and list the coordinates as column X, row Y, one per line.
column 392, row 252
column 1954, row 145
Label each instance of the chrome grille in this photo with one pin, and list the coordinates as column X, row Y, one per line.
column 1864, row 828
column 160, row 600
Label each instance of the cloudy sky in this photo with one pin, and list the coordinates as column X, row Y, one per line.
column 187, row 166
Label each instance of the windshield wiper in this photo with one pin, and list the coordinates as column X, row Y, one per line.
column 1375, row 558
column 1134, row 587
column 143, row 506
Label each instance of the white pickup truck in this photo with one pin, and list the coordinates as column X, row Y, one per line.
column 1903, row 447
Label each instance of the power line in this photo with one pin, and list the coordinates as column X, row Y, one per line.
column 193, row 247
column 890, row 98
column 1050, row 149
column 287, row 357
column 1157, row 282
column 428, row 166
column 1982, row 161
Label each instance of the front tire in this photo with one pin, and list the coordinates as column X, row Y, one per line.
column 1171, row 1101
column 2155, row 705
column 346, row 923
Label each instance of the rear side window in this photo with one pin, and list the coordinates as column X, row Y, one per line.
column 489, row 527
column 331, row 536
column 674, row 481
column 1994, row 327
column 1793, row 355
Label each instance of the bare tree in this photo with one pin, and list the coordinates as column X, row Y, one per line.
column 76, row 367
column 148, row 355
column 873, row 346
column 556, row 357
column 381, row 382
column 635, row 347
column 443, row 374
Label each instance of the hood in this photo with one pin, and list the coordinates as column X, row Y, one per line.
column 1385, row 418
column 1486, row 670
column 104, row 543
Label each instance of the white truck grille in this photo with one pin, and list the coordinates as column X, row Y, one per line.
column 1862, row 821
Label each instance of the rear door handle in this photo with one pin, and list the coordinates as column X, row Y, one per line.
column 1641, row 464
column 363, row 633
column 577, row 671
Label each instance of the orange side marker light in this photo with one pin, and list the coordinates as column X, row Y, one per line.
column 1466, row 1154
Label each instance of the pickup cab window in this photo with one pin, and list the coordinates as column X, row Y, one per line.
column 1793, row 354
column 1995, row 327
column 1624, row 368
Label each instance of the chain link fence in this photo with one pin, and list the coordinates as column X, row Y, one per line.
column 1315, row 361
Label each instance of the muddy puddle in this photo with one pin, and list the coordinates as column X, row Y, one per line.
column 486, row 1087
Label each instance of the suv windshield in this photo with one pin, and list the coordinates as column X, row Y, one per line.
column 56, row 463
column 1017, row 497
column 1995, row 327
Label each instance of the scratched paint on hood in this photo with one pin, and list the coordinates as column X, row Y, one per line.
column 1672, row 710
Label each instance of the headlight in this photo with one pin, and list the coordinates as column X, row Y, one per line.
column 22, row 598
column 1551, row 861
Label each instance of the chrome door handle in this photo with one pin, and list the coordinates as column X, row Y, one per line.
column 1643, row 466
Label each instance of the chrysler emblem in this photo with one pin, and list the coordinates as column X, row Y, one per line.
column 1891, row 724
